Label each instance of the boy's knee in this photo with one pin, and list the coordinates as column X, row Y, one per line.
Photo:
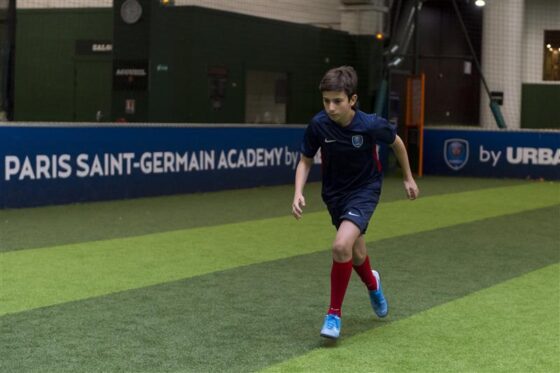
column 342, row 252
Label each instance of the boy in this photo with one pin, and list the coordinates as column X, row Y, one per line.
column 351, row 186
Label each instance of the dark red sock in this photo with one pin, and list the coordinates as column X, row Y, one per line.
column 340, row 277
column 364, row 271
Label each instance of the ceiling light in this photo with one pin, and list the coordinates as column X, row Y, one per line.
column 480, row 3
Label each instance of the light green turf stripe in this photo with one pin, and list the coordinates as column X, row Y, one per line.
column 41, row 277
column 510, row 327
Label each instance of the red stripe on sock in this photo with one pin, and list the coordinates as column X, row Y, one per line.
column 364, row 271
column 340, row 277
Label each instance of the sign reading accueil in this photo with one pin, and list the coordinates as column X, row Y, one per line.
column 515, row 154
column 130, row 75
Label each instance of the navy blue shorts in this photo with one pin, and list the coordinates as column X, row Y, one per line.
column 357, row 207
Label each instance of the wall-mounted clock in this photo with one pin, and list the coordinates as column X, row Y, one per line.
column 131, row 11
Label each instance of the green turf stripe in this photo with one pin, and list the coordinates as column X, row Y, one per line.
column 511, row 327
column 42, row 277
column 58, row 225
column 247, row 318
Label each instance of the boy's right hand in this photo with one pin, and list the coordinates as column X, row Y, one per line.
column 298, row 205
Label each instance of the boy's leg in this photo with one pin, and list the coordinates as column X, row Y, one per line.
column 369, row 278
column 361, row 263
column 341, row 271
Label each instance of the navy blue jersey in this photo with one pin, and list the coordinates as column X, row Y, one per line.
column 348, row 154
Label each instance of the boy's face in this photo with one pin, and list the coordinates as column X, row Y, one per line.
column 338, row 106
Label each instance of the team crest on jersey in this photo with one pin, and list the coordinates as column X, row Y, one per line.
column 357, row 141
column 456, row 153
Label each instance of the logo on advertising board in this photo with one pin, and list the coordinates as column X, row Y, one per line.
column 456, row 153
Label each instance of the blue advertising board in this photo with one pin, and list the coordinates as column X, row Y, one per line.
column 42, row 164
column 489, row 153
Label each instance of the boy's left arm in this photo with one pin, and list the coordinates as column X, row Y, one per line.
column 410, row 186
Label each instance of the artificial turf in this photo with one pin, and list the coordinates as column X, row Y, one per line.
column 510, row 327
column 59, row 225
column 238, row 304
column 41, row 277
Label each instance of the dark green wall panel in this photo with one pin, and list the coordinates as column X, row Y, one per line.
column 45, row 56
column 183, row 43
column 131, row 42
column 539, row 106
column 189, row 40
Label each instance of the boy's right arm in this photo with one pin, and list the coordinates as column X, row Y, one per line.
column 302, row 172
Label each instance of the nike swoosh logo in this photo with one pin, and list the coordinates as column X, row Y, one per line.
column 330, row 140
column 351, row 213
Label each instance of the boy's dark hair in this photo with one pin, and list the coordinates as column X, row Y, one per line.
column 340, row 79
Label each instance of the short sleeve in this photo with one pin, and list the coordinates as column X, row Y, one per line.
column 384, row 131
column 311, row 141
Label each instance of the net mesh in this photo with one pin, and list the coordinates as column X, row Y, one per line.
column 416, row 101
column 251, row 61
column 414, row 124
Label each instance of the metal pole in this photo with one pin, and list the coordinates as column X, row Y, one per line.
column 416, row 67
column 496, row 112
column 475, row 58
column 9, row 61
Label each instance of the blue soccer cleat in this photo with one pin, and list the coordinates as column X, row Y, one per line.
column 331, row 326
column 378, row 301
